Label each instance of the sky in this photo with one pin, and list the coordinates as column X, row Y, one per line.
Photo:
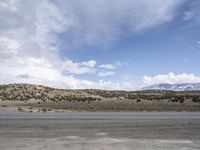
column 101, row 44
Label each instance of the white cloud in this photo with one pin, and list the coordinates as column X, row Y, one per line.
column 29, row 50
column 27, row 29
column 79, row 68
column 171, row 78
column 29, row 36
column 39, row 71
column 90, row 63
column 105, row 74
column 113, row 66
column 102, row 22
column 107, row 66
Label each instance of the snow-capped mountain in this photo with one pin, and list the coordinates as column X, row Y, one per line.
column 174, row 87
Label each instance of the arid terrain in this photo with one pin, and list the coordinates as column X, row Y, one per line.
column 27, row 97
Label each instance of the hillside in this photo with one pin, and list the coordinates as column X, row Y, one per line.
column 98, row 100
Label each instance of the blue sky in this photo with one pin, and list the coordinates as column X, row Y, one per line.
column 116, row 44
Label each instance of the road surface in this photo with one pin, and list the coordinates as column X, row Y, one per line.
column 100, row 131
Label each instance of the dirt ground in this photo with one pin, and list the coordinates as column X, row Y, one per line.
column 102, row 105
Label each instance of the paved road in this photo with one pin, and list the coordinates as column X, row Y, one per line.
column 100, row 131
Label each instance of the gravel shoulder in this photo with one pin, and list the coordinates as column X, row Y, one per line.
column 102, row 105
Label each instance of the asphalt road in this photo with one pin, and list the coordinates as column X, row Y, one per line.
column 100, row 131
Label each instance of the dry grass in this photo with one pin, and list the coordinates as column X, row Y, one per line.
column 46, row 98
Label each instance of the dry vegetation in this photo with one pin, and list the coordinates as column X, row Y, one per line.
column 97, row 100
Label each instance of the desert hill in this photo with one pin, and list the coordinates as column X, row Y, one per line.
column 98, row 100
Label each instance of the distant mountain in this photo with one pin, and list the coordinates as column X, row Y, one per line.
column 174, row 87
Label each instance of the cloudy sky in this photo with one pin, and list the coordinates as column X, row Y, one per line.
column 106, row 44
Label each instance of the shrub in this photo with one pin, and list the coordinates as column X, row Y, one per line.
column 44, row 110
column 20, row 109
column 138, row 100
column 196, row 99
column 181, row 100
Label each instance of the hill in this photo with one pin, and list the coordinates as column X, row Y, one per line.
column 37, row 96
